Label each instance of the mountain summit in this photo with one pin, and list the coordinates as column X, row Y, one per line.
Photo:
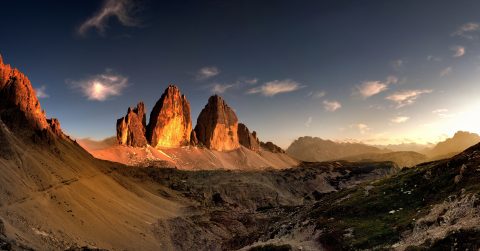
column 217, row 126
column 19, row 105
column 170, row 123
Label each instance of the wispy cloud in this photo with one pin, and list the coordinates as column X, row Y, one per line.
column 407, row 97
column 398, row 64
column 458, row 51
column 443, row 113
column 433, row 58
column 102, row 86
column 221, row 88
column 331, row 106
column 251, row 81
column 308, row 123
column 371, row 88
column 275, row 87
column 467, row 30
column 207, row 72
column 42, row 92
column 362, row 128
column 123, row 10
column 400, row 119
column 317, row 94
column 446, row 71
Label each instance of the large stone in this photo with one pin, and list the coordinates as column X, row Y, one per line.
column 217, row 126
column 170, row 123
column 247, row 139
column 131, row 128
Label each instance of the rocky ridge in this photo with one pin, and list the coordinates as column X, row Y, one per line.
column 247, row 139
column 131, row 128
column 19, row 105
column 170, row 126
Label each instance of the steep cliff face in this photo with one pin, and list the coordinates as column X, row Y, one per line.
column 131, row 128
column 18, row 103
column 20, row 109
column 217, row 126
column 247, row 139
column 170, row 124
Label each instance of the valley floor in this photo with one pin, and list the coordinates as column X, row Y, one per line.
column 55, row 196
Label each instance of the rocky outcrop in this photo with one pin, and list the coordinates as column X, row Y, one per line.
column 170, row 124
column 55, row 127
column 269, row 146
column 19, row 106
column 217, row 126
column 131, row 128
column 193, row 139
column 247, row 139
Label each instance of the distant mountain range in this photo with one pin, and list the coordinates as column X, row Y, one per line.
column 317, row 149
column 452, row 146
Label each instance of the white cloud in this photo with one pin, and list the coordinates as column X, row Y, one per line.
column 362, row 128
column 371, row 88
column 309, row 121
column 400, row 119
column 446, row 71
column 331, row 106
column 41, row 92
column 398, row 64
column 207, row 72
column 458, row 51
column 251, row 81
column 102, row 86
column 407, row 97
column 121, row 9
column 221, row 88
column 275, row 87
column 466, row 30
column 317, row 94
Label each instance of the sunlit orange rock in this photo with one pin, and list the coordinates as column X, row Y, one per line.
column 247, row 139
column 217, row 126
column 19, row 106
column 170, row 124
column 131, row 128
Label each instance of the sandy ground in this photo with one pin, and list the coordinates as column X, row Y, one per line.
column 57, row 196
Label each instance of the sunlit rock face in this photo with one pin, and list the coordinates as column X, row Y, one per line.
column 131, row 128
column 19, row 106
column 217, row 126
column 247, row 139
column 170, row 124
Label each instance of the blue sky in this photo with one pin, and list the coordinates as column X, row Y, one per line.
column 374, row 71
